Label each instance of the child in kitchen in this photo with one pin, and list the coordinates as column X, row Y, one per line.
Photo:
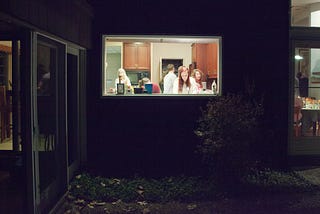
column 183, row 84
column 155, row 87
column 123, row 78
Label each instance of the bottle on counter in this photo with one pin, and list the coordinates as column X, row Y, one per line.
column 214, row 87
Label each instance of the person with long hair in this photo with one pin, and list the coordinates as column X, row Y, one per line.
column 122, row 78
column 183, row 84
column 198, row 77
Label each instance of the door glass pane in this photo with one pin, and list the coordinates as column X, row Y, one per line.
column 50, row 115
column 12, row 177
column 6, row 86
column 306, row 114
column 72, row 72
column 46, row 102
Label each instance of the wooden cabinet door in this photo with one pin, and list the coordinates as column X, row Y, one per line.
column 199, row 56
column 136, row 56
column 130, row 56
column 143, row 56
column 194, row 53
column 212, row 60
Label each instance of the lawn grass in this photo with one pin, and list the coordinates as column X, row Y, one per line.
column 180, row 188
column 182, row 194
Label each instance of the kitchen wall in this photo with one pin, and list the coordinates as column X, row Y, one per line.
column 314, row 78
column 114, row 63
column 168, row 50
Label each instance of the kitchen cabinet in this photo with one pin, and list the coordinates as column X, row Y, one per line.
column 199, row 57
column 136, row 56
column 205, row 58
column 212, row 60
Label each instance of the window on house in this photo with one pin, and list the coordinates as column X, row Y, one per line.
column 305, row 13
column 161, row 65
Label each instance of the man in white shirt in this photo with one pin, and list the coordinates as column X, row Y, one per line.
column 169, row 79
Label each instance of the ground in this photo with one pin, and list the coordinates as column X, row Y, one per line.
column 308, row 202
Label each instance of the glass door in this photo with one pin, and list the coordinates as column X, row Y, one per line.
column 12, row 163
column 305, row 102
column 49, row 139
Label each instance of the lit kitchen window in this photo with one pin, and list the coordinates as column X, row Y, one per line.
column 161, row 65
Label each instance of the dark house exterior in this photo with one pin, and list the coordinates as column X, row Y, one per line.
column 56, row 118
column 154, row 135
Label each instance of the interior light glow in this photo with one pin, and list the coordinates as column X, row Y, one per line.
column 298, row 57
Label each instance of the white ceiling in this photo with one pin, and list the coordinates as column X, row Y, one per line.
column 5, row 43
column 163, row 39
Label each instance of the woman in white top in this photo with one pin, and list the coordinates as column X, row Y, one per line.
column 122, row 78
column 183, row 84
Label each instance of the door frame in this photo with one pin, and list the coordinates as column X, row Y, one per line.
column 302, row 37
column 43, row 200
column 73, row 167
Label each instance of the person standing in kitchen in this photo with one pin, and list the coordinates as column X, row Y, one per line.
column 169, row 80
column 122, row 78
column 197, row 77
column 303, row 84
column 183, row 84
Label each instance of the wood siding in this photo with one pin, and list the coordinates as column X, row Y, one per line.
column 70, row 20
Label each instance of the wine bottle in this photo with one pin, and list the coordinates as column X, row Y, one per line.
column 214, row 87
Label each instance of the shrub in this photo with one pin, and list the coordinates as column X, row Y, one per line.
column 228, row 129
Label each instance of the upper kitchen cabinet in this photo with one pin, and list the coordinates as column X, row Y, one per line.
column 204, row 57
column 199, row 56
column 136, row 56
column 212, row 60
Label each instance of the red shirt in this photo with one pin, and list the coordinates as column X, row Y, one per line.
column 156, row 88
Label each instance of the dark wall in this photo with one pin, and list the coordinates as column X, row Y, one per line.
column 154, row 136
column 70, row 20
column 144, row 136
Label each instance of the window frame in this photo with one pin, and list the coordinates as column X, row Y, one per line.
column 161, row 38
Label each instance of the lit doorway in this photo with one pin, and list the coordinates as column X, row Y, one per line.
column 12, row 164
column 305, row 102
